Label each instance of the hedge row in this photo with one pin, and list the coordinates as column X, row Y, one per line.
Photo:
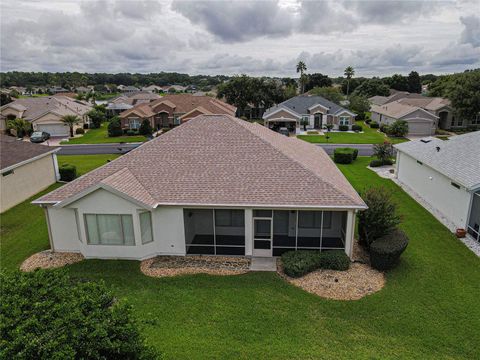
column 299, row 263
column 345, row 155
column 377, row 163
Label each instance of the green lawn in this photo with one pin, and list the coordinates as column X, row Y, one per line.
column 99, row 136
column 85, row 163
column 428, row 309
column 369, row 136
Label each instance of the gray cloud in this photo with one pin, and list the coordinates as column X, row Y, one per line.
column 471, row 33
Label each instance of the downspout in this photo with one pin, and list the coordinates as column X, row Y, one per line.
column 50, row 239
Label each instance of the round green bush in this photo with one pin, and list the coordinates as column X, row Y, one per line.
column 344, row 155
column 377, row 163
column 47, row 315
column 114, row 127
column 385, row 251
column 357, row 127
column 334, row 260
column 79, row 131
column 131, row 133
column 343, row 127
column 368, row 121
column 67, row 172
column 301, row 262
column 374, row 125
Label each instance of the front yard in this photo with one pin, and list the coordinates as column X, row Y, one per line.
column 100, row 136
column 428, row 308
column 369, row 136
column 85, row 163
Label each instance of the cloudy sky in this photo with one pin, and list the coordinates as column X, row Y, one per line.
column 253, row 37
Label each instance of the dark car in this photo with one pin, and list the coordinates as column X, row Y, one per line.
column 39, row 136
column 284, row 131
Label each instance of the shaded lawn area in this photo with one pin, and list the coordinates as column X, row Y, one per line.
column 428, row 309
column 369, row 136
column 85, row 163
column 100, row 135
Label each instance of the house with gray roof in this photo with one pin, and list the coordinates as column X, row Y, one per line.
column 446, row 175
column 314, row 110
column 214, row 186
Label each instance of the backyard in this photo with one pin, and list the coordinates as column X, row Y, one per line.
column 428, row 308
column 369, row 136
column 100, row 135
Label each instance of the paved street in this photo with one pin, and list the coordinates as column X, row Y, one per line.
column 363, row 149
column 92, row 149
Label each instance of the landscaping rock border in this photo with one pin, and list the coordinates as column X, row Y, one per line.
column 48, row 260
column 163, row 266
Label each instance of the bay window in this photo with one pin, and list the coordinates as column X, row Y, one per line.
column 103, row 229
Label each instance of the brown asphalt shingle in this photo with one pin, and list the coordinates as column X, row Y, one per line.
column 222, row 160
column 13, row 151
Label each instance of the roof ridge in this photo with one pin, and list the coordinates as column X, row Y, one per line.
column 239, row 121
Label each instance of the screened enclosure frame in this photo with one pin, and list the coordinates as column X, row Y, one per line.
column 474, row 216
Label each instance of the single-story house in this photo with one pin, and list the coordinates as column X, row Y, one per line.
column 25, row 169
column 420, row 121
column 57, row 90
column 446, row 174
column 127, row 101
column 216, row 185
column 45, row 113
column 316, row 110
column 173, row 109
column 153, row 89
column 128, row 89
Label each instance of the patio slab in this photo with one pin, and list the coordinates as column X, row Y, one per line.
column 263, row 264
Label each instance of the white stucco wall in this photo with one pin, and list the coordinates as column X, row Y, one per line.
column 435, row 188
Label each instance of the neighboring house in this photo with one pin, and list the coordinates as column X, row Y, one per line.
column 215, row 185
column 82, row 90
column 57, row 90
column 395, row 95
column 174, row 88
column 128, row 89
column 128, row 100
column 318, row 111
column 25, row 169
column 420, row 121
column 19, row 89
column 446, row 174
column 45, row 113
column 153, row 89
column 174, row 109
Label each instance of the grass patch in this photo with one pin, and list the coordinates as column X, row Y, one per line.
column 428, row 309
column 85, row 163
column 369, row 136
column 100, row 136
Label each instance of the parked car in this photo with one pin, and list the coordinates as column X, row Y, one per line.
column 284, row 131
column 39, row 136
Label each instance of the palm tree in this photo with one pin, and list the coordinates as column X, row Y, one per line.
column 301, row 68
column 71, row 121
column 349, row 72
column 20, row 126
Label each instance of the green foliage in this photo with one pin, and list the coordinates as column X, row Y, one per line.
column 359, row 105
column 47, row 315
column 343, row 127
column 344, row 155
column 383, row 151
column 377, row 163
column 145, row 128
column 372, row 87
column 79, row 131
column 397, row 82
column 115, row 127
column 399, row 128
column 330, row 93
column 97, row 116
column 301, row 262
column 380, row 218
column 131, row 132
column 21, row 127
column 356, row 127
column 374, row 125
column 317, row 80
column 414, row 83
column 349, row 86
column 71, row 121
column 67, row 172
column 385, row 251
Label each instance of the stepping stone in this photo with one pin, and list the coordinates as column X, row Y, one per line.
column 263, row 264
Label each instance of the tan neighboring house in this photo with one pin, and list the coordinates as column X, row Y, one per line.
column 25, row 169
column 153, row 89
column 172, row 110
column 420, row 121
column 128, row 100
column 45, row 113
column 201, row 189
column 317, row 111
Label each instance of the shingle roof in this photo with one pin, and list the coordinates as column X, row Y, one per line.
column 396, row 109
column 222, row 160
column 428, row 103
column 458, row 158
column 15, row 151
column 300, row 105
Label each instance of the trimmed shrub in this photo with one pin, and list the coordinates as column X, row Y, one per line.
column 145, row 128
column 301, row 262
column 115, row 127
column 380, row 218
column 385, row 251
column 131, row 132
column 79, row 131
column 312, row 132
column 377, row 163
column 343, row 127
column 357, row 127
column 67, row 172
column 374, row 125
column 48, row 315
column 368, row 121
column 344, row 155
column 399, row 128
column 384, row 128
column 355, row 154
column 334, row 260
column 383, row 151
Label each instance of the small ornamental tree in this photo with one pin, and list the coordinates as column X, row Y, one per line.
column 383, row 152
column 47, row 315
column 304, row 123
column 145, row 128
column 399, row 128
column 115, row 127
column 380, row 218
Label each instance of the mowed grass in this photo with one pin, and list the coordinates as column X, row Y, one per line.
column 100, row 136
column 369, row 136
column 428, row 309
column 85, row 163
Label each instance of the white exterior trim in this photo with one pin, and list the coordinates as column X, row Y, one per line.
column 265, row 116
column 11, row 167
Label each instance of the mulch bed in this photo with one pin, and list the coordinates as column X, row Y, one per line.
column 162, row 266
column 355, row 283
column 49, row 260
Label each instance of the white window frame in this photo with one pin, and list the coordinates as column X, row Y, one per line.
column 97, row 228
column 344, row 120
column 141, row 229
column 134, row 121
